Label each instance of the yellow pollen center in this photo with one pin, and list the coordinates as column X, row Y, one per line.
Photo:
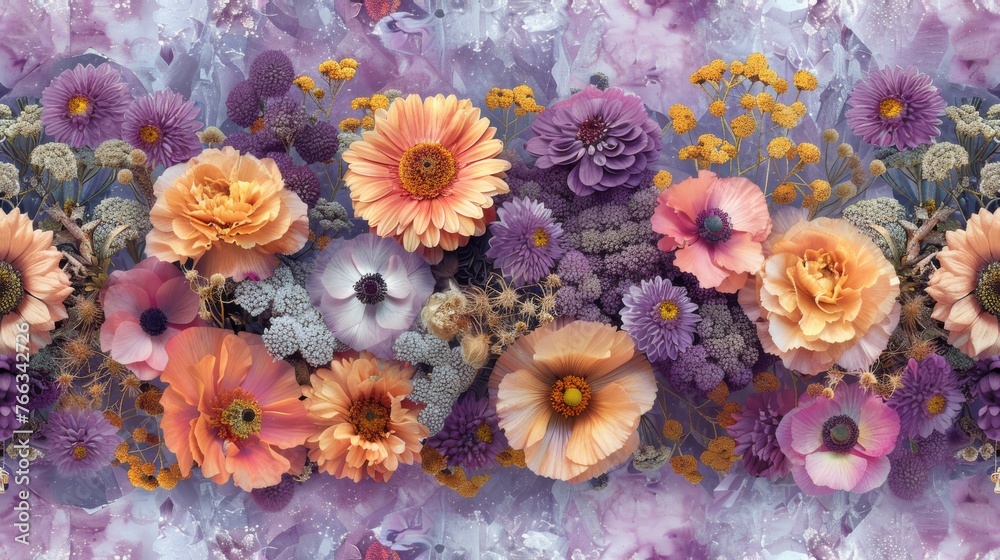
column 541, row 238
column 484, row 433
column 427, row 170
column 370, row 419
column 890, row 108
column 77, row 105
column 570, row 396
column 79, row 452
column 235, row 415
column 668, row 310
column 149, row 133
column 935, row 405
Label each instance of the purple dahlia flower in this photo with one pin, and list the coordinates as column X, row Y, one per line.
column 604, row 138
column 80, row 442
column 164, row 126
column 526, row 241
column 471, row 437
column 660, row 318
column 85, row 106
column 755, row 429
column 929, row 399
column 895, row 107
column 8, row 398
column 369, row 290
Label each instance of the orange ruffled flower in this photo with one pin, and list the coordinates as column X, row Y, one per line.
column 364, row 427
column 32, row 286
column 231, row 213
column 571, row 397
column 231, row 408
column 967, row 286
column 427, row 174
column 826, row 295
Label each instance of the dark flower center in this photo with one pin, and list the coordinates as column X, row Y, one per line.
column 427, row 170
column 153, row 321
column 11, row 288
column 840, row 433
column 988, row 289
column 714, row 225
column 236, row 415
column 370, row 419
column 370, row 289
column 591, row 132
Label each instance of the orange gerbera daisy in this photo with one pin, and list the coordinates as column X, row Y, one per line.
column 427, row 174
column 231, row 408
column 364, row 425
column 32, row 286
column 571, row 397
column 231, row 213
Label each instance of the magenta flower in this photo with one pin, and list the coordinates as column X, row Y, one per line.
column 755, row 432
column 80, row 442
column 164, row 126
column 85, row 106
column 895, row 107
column 840, row 443
column 144, row 308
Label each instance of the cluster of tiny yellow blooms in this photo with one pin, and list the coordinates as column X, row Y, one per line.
column 662, row 179
column 686, row 466
column 368, row 105
column 341, row 71
column 522, row 98
column 710, row 150
column 719, row 454
column 434, row 463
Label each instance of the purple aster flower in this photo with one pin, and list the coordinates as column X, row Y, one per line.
column 605, row 138
column 85, row 106
column 8, row 398
column 526, row 241
column 164, row 126
column 318, row 143
column 80, row 442
column 271, row 74
column 285, row 117
column 895, row 107
column 277, row 497
column 470, row 437
column 754, row 432
column 369, row 290
column 243, row 104
column 929, row 399
column 660, row 318
column 989, row 391
column 302, row 181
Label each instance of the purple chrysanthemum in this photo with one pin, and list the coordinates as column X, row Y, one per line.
column 302, row 181
column 989, row 391
column 929, row 399
column 660, row 318
column 243, row 104
column 85, row 106
column 604, row 138
column 526, row 241
column 754, row 432
column 318, row 143
column 471, row 437
column 895, row 107
column 79, row 442
column 271, row 74
column 285, row 117
column 164, row 126
column 8, row 398
column 275, row 498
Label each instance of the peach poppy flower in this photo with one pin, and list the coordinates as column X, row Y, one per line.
column 364, row 425
column 571, row 396
column 826, row 295
column 966, row 288
column 427, row 174
column 231, row 408
column 229, row 212
column 717, row 227
column 32, row 286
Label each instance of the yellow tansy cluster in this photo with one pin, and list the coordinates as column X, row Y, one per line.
column 805, row 81
column 368, row 106
column 821, row 190
column 682, row 118
column 521, row 98
column 686, row 466
column 512, row 458
column 434, row 463
column 710, row 150
column 765, row 382
column 784, row 194
column 305, row 83
column 673, row 430
column 341, row 71
column 743, row 125
column 711, row 72
column 719, row 454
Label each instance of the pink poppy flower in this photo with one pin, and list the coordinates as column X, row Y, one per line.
column 717, row 227
column 839, row 443
column 144, row 308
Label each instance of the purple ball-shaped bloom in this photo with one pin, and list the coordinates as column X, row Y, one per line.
column 604, row 138
column 526, row 241
column 909, row 474
column 80, row 442
column 318, row 143
column 43, row 391
column 929, row 399
column 302, row 181
column 275, row 498
column 243, row 104
column 471, row 437
column 284, row 161
column 8, row 398
column 285, row 117
column 164, row 126
column 271, row 74
column 754, row 432
column 259, row 144
column 85, row 106
column 895, row 107
column 989, row 413
column 369, row 290
column 660, row 318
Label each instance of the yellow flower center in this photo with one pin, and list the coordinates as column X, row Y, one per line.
column 370, row 419
column 570, row 396
column 988, row 289
column 235, row 415
column 484, row 433
column 427, row 170
column 149, row 133
column 668, row 310
column 890, row 108
column 77, row 105
column 541, row 238
column 11, row 288
column 935, row 405
column 79, row 452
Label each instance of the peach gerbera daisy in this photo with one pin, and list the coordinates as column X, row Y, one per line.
column 427, row 174
column 967, row 286
column 231, row 408
column 32, row 286
column 364, row 425
column 231, row 213
column 571, row 397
